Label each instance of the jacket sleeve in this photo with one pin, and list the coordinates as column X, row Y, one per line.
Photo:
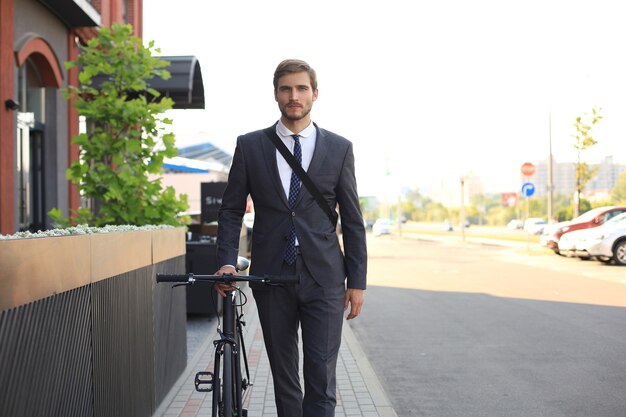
column 232, row 209
column 352, row 226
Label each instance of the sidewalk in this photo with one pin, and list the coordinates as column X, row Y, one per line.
column 359, row 393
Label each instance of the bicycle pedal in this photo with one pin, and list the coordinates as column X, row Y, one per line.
column 199, row 381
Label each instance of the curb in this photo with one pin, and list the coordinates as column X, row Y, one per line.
column 381, row 401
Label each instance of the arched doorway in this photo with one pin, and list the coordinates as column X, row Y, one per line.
column 38, row 78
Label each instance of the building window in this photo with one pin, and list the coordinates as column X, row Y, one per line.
column 30, row 180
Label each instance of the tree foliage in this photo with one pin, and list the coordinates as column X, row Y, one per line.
column 487, row 209
column 420, row 208
column 123, row 150
column 582, row 141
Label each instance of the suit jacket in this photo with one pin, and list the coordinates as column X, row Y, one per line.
column 254, row 172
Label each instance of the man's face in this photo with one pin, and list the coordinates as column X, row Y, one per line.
column 295, row 96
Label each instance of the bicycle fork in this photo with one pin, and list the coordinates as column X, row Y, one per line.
column 226, row 350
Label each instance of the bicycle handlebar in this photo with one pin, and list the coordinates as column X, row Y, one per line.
column 191, row 278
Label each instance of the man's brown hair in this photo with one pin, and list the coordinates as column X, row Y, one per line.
column 290, row 66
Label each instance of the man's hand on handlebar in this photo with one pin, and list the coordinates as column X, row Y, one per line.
column 221, row 288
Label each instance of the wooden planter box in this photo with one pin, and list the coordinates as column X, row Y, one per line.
column 32, row 269
column 84, row 317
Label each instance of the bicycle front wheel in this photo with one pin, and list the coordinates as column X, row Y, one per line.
column 227, row 382
column 237, row 382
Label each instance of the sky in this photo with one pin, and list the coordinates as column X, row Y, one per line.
column 425, row 90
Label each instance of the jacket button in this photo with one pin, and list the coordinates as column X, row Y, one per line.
column 293, row 214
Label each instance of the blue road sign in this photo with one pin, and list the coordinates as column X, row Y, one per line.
column 528, row 189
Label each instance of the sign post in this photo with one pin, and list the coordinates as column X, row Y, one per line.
column 528, row 189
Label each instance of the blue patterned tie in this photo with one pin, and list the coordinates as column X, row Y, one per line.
column 294, row 190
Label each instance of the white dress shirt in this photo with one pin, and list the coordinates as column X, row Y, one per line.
column 308, row 137
column 307, row 143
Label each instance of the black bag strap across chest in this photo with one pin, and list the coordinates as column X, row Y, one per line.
column 304, row 177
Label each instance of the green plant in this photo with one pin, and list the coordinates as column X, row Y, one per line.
column 582, row 141
column 122, row 152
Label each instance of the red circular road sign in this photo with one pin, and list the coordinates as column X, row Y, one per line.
column 528, row 169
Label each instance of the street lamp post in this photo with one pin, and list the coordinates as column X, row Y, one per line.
column 463, row 209
column 550, row 168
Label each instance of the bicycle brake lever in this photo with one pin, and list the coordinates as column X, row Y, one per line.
column 181, row 284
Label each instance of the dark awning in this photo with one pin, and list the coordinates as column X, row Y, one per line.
column 184, row 86
column 74, row 13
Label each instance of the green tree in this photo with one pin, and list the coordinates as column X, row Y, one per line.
column 123, row 150
column 582, row 141
column 618, row 195
column 420, row 208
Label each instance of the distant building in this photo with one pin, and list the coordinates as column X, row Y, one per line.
column 564, row 178
column 451, row 190
column 607, row 175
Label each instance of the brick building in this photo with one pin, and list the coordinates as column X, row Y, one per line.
column 36, row 122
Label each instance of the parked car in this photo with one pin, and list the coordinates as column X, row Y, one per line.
column 570, row 241
column 605, row 243
column 534, row 225
column 592, row 218
column 548, row 236
column 575, row 243
column 515, row 224
column 248, row 220
column 381, row 226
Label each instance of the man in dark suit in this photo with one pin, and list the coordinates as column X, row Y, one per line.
column 294, row 235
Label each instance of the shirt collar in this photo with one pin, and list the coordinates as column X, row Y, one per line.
column 284, row 132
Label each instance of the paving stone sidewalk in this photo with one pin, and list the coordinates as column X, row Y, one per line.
column 359, row 393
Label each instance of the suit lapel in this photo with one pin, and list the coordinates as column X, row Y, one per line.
column 269, row 154
column 321, row 148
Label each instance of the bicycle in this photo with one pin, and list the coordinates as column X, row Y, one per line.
column 226, row 382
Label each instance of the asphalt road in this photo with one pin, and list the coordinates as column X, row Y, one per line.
column 467, row 330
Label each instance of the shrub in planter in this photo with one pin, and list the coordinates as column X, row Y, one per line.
column 124, row 143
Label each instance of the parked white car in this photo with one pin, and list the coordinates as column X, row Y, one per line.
column 605, row 243
column 381, row 226
column 515, row 224
column 248, row 220
column 569, row 241
column 548, row 236
column 534, row 225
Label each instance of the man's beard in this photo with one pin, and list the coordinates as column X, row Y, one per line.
column 305, row 113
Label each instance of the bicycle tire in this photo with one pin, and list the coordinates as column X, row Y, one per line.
column 217, row 381
column 237, row 384
column 227, row 382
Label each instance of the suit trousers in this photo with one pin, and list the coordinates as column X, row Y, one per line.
column 319, row 313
